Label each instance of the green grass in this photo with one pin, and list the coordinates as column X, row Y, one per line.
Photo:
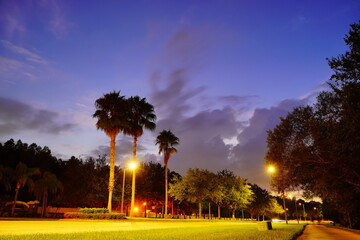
column 147, row 230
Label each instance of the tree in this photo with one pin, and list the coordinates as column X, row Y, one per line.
column 166, row 141
column 22, row 176
column 237, row 193
column 194, row 187
column 273, row 208
column 261, row 201
column 317, row 148
column 217, row 195
column 111, row 117
column 46, row 185
column 140, row 115
column 5, row 177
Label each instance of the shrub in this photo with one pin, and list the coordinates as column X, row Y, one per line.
column 94, row 210
column 94, row 215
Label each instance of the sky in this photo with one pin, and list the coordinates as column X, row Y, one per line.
column 220, row 74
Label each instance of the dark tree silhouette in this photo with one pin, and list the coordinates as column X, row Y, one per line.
column 166, row 141
column 111, row 112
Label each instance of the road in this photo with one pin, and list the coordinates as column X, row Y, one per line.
column 319, row 232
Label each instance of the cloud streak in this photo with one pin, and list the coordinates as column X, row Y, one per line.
column 30, row 56
column 18, row 116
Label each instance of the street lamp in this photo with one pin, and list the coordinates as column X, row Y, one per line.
column 303, row 210
column 271, row 170
column 144, row 204
column 122, row 193
column 133, row 166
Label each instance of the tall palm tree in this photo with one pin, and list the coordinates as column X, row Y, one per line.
column 22, row 176
column 140, row 115
column 48, row 184
column 166, row 141
column 5, row 173
column 111, row 114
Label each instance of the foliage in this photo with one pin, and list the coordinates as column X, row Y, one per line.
column 95, row 215
column 111, row 112
column 140, row 114
column 224, row 189
column 167, row 142
column 94, row 210
column 46, row 186
column 22, row 176
column 317, row 147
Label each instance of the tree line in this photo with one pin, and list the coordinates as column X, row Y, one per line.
column 317, row 147
column 79, row 182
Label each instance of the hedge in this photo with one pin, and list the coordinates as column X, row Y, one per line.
column 94, row 215
column 94, row 210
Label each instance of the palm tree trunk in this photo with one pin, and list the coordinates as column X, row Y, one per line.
column 132, row 213
column 283, row 196
column 209, row 210
column 112, row 170
column 15, row 198
column 219, row 211
column 233, row 213
column 134, row 147
column 43, row 205
column 166, row 187
column 200, row 209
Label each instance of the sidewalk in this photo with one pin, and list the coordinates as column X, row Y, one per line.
column 321, row 232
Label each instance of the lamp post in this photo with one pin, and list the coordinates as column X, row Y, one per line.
column 133, row 166
column 144, row 204
column 122, row 193
column 303, row 210
column 296, row 211
column 271, row 169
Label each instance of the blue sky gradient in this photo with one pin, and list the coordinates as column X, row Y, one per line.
column 219, row 73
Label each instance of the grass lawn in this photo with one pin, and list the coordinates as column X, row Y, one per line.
column 25, row 229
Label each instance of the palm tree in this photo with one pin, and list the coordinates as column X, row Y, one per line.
column 111, row 115
column 140, row 115
column 166, row 141
column 47, row 184
column 5, row 173
column 22, row 176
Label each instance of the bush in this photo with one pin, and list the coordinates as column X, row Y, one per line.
column 94, row 210
column 94, row 215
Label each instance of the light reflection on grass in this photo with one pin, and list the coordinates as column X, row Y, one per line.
column 151, row 230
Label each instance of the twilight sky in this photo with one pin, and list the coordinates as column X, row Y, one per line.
column 219, row 73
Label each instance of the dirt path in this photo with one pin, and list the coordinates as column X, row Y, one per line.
column 320, row 232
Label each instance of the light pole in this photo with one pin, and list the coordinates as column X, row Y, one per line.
column 122, row 193
column 144, row 204
column 296, row 212
column 133, row 166
column 271, row 169
column 303, row 209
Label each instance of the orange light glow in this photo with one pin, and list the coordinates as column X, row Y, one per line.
column 271, row 169
column 132, row 165
column 136, row 209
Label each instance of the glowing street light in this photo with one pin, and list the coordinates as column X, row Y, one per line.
column 144, row 204
column 133, row 165
column 271, row 169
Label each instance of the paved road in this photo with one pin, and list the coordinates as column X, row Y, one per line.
column 320, row 232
